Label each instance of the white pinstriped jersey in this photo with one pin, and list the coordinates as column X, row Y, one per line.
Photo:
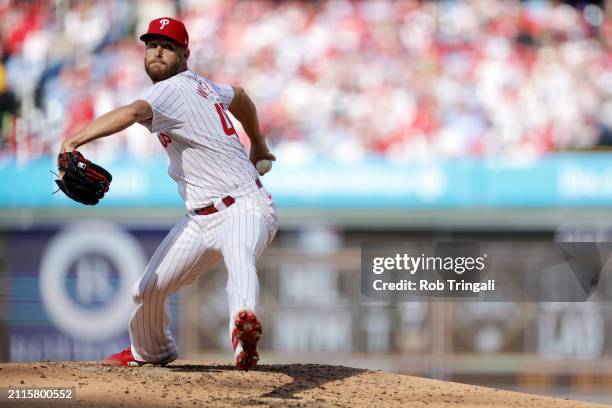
column 190, row 120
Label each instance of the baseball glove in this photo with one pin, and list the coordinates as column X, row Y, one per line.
column 80, row 179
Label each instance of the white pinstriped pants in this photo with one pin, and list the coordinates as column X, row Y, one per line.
column 238, row 234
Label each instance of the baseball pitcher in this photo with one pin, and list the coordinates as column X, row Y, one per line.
column 229, row 216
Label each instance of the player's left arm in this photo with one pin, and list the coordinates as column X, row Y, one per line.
column 109, row 123
column 243, row 109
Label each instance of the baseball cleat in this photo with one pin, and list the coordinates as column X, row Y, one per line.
column 245, row 336
column 122, row 359
column 126, row 359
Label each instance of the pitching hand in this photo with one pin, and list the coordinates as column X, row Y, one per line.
column 260, row 152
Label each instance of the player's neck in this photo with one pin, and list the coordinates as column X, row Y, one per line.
column 182, row 69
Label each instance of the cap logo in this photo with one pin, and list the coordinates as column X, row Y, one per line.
column 163, row 22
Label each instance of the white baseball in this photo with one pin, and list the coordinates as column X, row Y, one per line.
column 263, row 166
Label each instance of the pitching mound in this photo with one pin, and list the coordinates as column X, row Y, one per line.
column 197, row 383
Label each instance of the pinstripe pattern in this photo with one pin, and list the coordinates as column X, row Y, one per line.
column 237, row 234
column 207, row 165
column 247, row 233
column 204, row 161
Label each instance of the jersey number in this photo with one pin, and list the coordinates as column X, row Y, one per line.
column 226, row 122
column 164, row 139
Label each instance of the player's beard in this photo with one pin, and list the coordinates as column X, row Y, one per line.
column 161, row 71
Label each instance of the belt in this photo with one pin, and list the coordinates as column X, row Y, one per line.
column 228, row 201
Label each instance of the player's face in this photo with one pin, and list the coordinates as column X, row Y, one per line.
column 163, row 59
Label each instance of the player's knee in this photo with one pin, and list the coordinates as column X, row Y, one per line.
column 143, row 290
column 136, row 293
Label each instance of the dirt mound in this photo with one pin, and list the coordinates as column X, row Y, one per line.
column 197, row 383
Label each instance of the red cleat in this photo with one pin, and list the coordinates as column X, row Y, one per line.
column 245, row 336
column 126, row 359
column 122, row 359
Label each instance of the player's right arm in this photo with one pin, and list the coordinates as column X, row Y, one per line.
column 243, row 109
column 109, row 123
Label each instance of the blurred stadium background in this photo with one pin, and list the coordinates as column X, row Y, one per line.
column 391, row 120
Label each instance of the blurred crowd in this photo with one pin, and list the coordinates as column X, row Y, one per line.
column 341, row 79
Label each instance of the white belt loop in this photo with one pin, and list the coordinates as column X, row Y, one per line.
column 219, row 204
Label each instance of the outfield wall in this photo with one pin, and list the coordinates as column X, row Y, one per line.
column 555, row 181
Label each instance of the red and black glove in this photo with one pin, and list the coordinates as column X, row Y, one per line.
column 81, row 179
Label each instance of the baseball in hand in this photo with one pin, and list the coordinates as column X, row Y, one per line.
column 263, row 166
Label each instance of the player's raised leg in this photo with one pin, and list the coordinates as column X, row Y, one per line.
column 251, row 226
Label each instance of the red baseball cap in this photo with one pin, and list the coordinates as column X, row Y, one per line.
column 169, row 28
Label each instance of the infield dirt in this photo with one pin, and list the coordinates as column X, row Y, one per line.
column 200, row 383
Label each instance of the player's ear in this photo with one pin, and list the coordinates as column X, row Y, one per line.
column 186, row 54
